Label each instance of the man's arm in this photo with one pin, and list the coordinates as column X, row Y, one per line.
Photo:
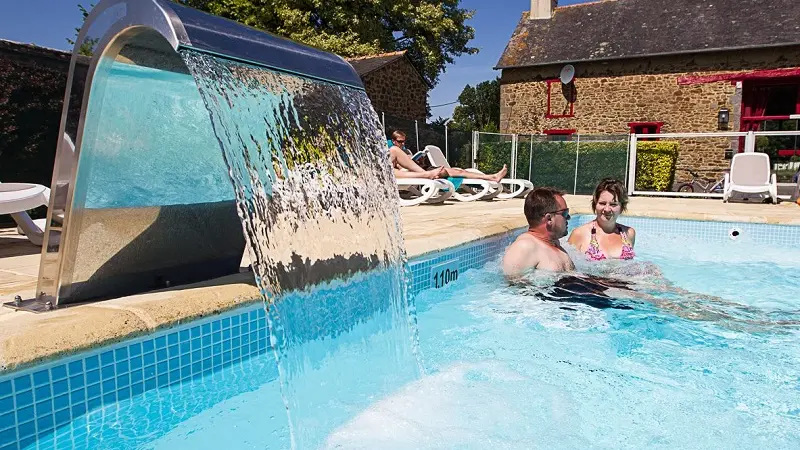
column 520, row 257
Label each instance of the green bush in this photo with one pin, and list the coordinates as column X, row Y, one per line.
column 655, row 165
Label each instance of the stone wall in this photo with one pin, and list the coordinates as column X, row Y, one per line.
column 612, row 94
column 397, row 89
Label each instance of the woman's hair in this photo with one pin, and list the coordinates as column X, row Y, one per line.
column 615, row 187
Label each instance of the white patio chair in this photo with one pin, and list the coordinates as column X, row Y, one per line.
column 750, row 174
column 510, row 187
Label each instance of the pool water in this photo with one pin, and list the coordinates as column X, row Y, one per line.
column 508, row 370
column 716, row 367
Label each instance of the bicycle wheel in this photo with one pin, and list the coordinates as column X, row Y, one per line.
column 686, row 187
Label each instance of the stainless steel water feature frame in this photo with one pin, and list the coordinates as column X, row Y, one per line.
column 157, row 27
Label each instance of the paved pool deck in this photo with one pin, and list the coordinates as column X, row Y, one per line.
column 27, row 338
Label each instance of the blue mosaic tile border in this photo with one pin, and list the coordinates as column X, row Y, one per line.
column 35, row 401
column 718, row 232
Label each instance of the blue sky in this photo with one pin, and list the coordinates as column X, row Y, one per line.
column 49, row 22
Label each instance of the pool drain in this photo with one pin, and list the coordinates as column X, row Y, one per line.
column 734, row 233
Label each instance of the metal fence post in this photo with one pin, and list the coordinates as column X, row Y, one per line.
column 416, row 131
column 475, row 143
column 750, row 142
column 577, row 156
column 530, row 161
column 632, row 164
column 514, row 142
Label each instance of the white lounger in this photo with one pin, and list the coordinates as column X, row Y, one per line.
column 16, row 199
column 424, row 190
column 510, row 187
column 750, row 174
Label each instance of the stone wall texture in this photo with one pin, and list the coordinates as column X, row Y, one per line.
column 398, row 90
column 611, row 94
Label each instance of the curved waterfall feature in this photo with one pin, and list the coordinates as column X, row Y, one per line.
column 187, row 120
column 318, row 204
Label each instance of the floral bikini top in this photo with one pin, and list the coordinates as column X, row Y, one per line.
column 594, row 253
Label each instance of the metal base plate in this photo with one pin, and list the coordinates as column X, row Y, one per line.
column 31, row 305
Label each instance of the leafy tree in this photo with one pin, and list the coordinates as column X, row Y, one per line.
column 87, row 48
column 432, row 32
column 479, row 107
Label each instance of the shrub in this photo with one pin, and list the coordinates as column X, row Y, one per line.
column 655, row 165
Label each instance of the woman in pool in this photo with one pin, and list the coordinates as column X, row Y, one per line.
column 605, row 238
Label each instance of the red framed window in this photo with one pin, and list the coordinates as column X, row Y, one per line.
column 645, row 128
column 560, row 134
column 560, row 99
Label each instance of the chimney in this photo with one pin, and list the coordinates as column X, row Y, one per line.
column 543, row 9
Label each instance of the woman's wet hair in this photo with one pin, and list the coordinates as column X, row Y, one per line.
column 615, row 187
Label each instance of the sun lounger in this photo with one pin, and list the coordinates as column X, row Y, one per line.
column 16, row 199
column 510, row 187
column 423, row 190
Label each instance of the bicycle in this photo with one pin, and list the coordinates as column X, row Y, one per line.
column 702, row 185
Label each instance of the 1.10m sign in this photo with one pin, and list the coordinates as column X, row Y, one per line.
column 444, row 273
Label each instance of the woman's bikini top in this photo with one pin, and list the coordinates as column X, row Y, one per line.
column 595, row 254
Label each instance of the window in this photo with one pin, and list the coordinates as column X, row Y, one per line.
column 646, row 128
column 560, row 99
column 559, row 135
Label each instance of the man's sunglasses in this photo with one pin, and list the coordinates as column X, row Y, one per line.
column 564, row 213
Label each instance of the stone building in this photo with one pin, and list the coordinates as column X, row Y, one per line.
column 394, row 85
column 655, row 67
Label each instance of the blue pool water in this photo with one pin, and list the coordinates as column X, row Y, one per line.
column 714, row 367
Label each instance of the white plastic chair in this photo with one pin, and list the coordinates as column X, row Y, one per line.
column 750, row 174
column 514, row 187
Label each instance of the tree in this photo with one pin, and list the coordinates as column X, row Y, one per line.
column 479, row 107
column 87, row 48
column 432, row 32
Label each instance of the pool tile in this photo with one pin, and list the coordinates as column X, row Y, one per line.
column 107, row 358
column 109, row 398
column 25, row 442
column 8, row 436
column 61, row 402
column 7, row 420
column 45, row 423
column 109, row 386
column 94, row 403
column 58, row 372
column 161, row 342
column 41, row 377
column 60, row 387
column 26, row 429
column 148, row 346
column 93, row 376
column 6, row 404
column 121, row 354
column 42, row 392
column 92, row 362
column 62, row 417
column 122, row 367
column 184, row 335
column 44, row 407
column 107, row 372
column 149, row 358
column 135, row 349
column 76, row 381
column 172, row 338
column 6, row 388
column 76, row 367
column 78, row 410
column 93, row 391
column 77, row 396
column 137, row 388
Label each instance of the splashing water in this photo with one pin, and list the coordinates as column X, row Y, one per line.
column 318, row 205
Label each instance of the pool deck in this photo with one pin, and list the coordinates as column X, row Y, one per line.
column 27, row 338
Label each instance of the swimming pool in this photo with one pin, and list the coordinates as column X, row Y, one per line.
column 502, row 368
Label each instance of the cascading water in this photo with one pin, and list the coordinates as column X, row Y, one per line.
column 318, row 205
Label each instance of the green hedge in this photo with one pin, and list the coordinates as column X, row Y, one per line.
column 554, row 163
column 655, row 165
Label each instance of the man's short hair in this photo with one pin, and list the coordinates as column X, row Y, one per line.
column 539, row 202
column 397, row 134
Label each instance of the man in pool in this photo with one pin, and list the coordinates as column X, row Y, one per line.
column 539, row 248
